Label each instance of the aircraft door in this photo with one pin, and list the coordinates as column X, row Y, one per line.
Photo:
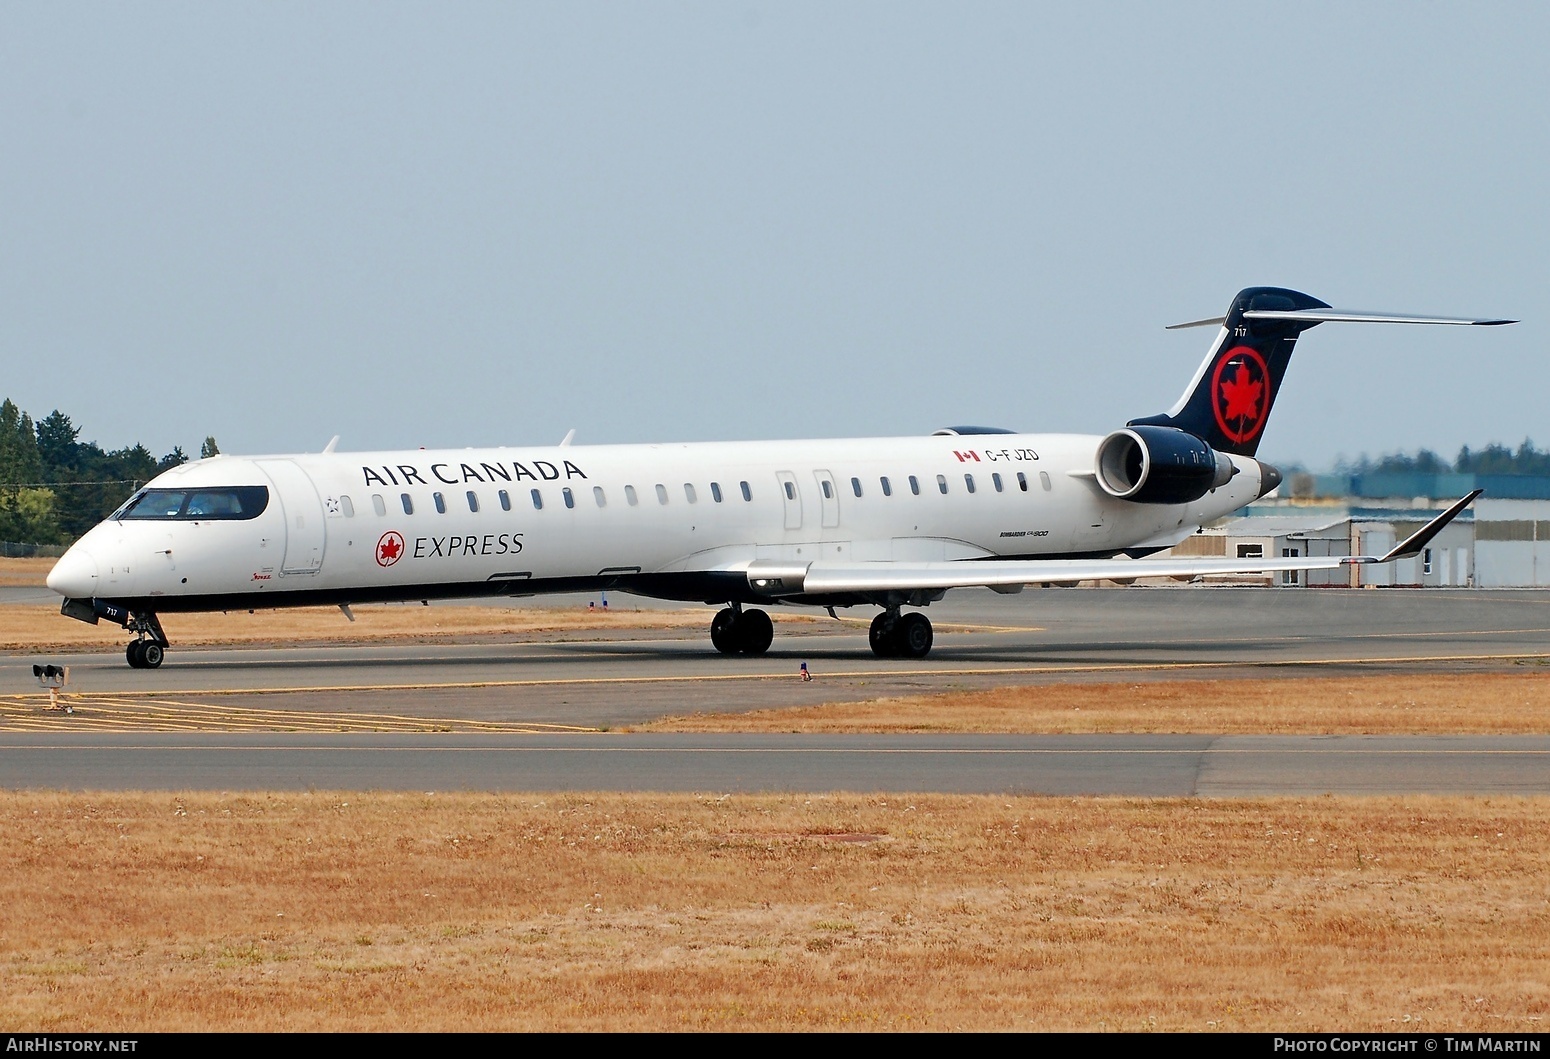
column 304, row 529
column 791, row 496
column 828, row 498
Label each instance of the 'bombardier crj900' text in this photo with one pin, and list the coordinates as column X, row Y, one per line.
column 891, row 522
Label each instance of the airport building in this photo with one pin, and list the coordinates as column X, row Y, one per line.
column 1502, row 541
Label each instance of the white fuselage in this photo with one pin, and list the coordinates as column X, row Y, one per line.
column 664, row 519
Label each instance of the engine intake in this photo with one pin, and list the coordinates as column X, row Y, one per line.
column 1160, row 465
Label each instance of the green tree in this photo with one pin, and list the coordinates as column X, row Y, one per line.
column 208, row 449
column 19, row 461
column 57, row 444
column 28, row 516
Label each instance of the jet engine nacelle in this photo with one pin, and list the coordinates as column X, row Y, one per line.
column 1160, row 465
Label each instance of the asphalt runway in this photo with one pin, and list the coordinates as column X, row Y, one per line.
column 615, row 678
column 534, row 687
column 1133, row 765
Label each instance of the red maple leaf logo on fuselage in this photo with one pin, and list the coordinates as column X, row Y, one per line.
column 389, row 547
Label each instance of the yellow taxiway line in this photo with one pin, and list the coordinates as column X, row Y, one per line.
column 95, row 712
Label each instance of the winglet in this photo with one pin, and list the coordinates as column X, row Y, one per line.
column 1413, row 544
column 333, row 441
column 570, row 435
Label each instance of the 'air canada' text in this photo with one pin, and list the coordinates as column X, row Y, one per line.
column 461, row 473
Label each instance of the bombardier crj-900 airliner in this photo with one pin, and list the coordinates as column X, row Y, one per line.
column 890, row 522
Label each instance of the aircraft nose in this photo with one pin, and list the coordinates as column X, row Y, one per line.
column 75, row 575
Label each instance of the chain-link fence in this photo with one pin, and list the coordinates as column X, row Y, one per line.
column 13, row 550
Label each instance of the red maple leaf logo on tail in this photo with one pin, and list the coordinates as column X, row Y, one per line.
column 1242, row 393
column 1241, row 385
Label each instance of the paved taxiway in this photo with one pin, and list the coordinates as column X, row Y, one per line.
column 616, row 678
column 1147, row 766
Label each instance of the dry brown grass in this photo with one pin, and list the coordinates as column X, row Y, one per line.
column 25, row 572
column 620, row 912
column 1422, row 703
column 42, row 627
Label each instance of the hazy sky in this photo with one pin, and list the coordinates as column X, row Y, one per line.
column 471, row 224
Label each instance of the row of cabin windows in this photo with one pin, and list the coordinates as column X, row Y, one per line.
column 941, row 484
column 379, row 505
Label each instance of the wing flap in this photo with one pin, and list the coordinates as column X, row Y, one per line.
column 822, row 578
column 830, row 578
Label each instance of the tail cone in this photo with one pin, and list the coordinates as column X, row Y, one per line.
column 1269, row 478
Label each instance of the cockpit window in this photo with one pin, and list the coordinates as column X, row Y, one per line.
column 229, row 504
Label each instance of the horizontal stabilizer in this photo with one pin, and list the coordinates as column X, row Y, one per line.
column 1342, row 316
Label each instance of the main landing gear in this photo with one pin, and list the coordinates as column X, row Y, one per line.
column 735, row 631
column 149, row 647
column 895, row 635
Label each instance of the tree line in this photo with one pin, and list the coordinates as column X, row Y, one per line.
column 1495, row 458
column 54, row 486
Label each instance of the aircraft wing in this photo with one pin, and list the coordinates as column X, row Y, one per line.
column 775, row 578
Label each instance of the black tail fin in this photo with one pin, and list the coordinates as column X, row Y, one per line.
column 1229, row 400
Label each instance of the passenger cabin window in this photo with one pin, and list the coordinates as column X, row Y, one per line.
column 689, row 493
column 570, row 497
column 347, row 506
column 1022, row 481
column 968, row 482
column 379, row 505
column 538, row 500
column 914, row 485
column 441, row 503
column 233, row 504
column 996, row 478
column 941, row 483
column 661, row 493
column 855, row 486
column 887, row 486
column 597, row 494
column 747, row 493
column 403, row 498
column 473, row 500
column 505, row 500
column 629, row 496
column 715, row 491
column 1044, row 480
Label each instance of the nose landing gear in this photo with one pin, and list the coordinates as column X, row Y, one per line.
column 145, row 654
column 735, row 631
column 149, row 647
column 895, row 635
